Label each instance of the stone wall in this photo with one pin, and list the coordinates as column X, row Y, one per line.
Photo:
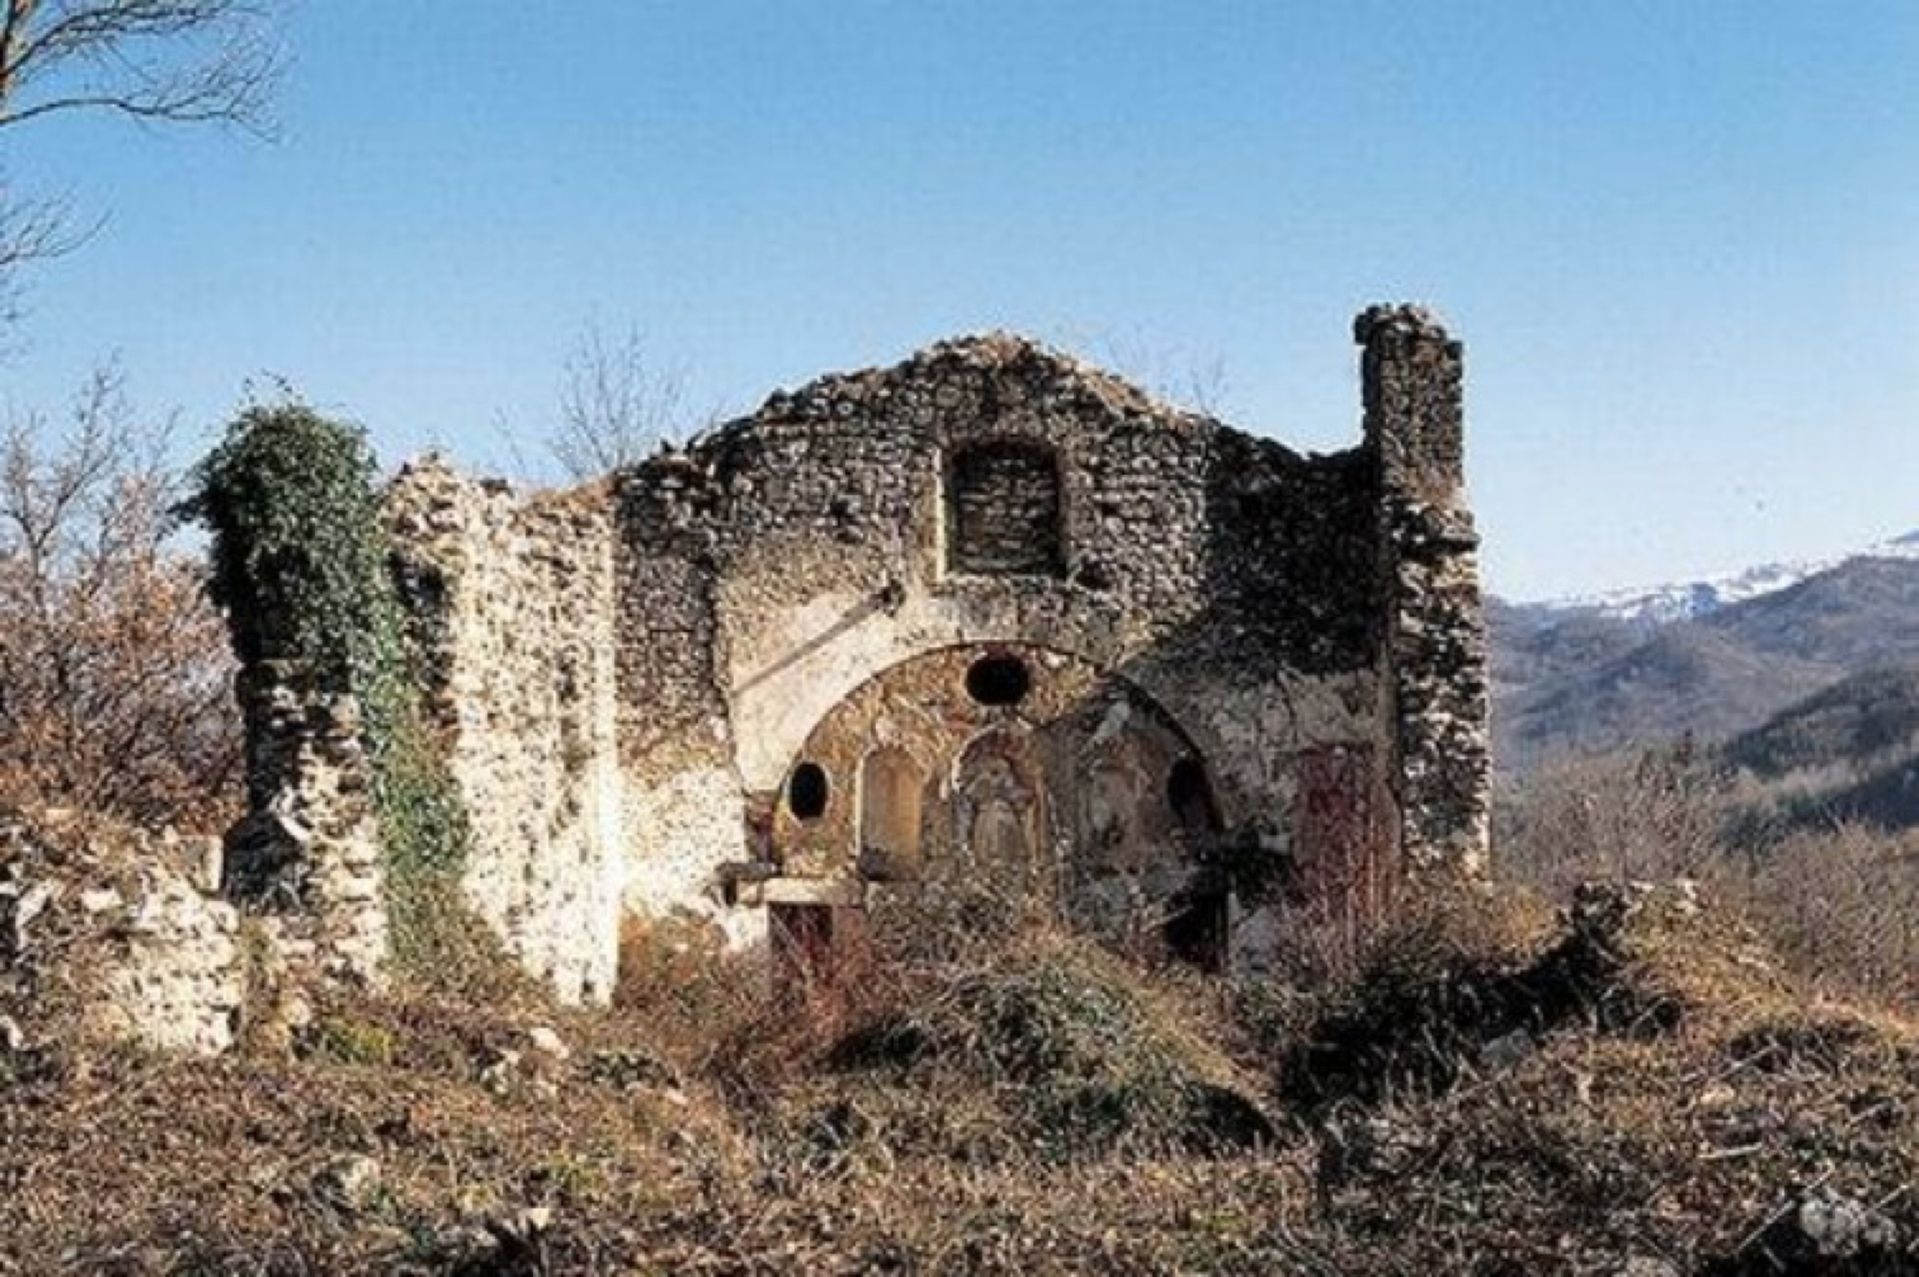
column 109, row 932
column 308, row 852
column 511, row 612
column 626, row 678
column 1436, row 646
column 789, row 559
column 685, row 810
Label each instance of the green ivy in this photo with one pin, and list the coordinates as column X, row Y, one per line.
column 301, row 563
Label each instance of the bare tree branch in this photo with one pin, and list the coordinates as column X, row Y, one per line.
column 179, row 61
column 154, row 61
column 32, row 230
column 617, row 406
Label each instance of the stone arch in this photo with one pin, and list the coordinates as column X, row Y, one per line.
column 918, row 717
column 777, row 707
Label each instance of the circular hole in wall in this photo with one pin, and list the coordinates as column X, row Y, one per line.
column 806, row 791
column 998, row 680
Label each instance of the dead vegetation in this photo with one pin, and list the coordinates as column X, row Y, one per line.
column 115, row 674
column 1712, row 1076
column 1632, row 1086
column 1837, row 902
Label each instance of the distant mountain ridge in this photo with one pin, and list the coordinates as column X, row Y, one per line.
column 1571, row 680
column 1659, row 604
column 1862, row 721
column 1850, row 752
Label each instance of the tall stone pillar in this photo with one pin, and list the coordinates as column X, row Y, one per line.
column 1434, row 649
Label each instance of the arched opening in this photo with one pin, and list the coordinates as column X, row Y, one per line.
column 1003, row 509
column 1086, row 798
column 806, row 791
column 1196, row 932
column 1190, row 796
column 891, row 784
column 998, row 680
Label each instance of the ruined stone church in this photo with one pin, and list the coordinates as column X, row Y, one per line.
column 991, row 613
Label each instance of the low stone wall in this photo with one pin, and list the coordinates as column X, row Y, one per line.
column 107, row 932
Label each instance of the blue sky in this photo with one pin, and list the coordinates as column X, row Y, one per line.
column 1681, row 240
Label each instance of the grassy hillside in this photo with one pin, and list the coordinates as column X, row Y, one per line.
column 1636, row 1089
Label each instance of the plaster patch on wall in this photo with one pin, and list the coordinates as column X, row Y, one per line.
column 682, row 828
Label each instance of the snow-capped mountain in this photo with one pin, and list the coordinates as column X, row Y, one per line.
column 1653, row 605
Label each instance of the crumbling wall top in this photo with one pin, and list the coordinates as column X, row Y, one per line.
column 1399, row 319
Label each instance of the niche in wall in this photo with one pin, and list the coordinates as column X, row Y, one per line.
column 1003, row 509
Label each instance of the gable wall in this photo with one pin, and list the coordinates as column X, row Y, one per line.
column 804, row 551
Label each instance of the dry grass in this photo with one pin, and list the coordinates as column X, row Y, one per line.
column 1838, row 903
column 1493, row 1092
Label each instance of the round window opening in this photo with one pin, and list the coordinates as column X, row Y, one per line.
column 806, row 791
column 998, row 680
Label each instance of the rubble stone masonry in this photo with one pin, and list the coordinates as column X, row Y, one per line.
column 990, row 611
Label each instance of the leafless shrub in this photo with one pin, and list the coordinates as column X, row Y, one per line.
column 114, row 668
column 1651, row 816
column 1840, row 905
column 1328, row 923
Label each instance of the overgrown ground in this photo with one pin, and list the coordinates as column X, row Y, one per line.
column 1633, row 1088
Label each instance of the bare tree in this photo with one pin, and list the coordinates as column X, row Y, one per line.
column 155, row 61
column 173, row 61
column 114, row 667
column 1166, row 372
column 617, row 405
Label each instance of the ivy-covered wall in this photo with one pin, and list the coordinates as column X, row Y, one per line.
column 355, row 832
